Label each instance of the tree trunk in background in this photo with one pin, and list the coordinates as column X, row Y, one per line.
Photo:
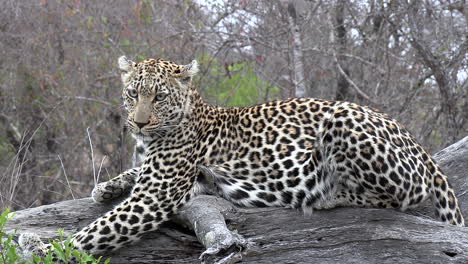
column 448, row 101
column 444, row 71
column 299, row 83
column 340, row 30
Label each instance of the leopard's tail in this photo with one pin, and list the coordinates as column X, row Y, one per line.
column 443, row 197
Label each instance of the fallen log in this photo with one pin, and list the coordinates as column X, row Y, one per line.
column 277, row 235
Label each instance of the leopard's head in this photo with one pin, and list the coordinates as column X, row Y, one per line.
column 156, row 94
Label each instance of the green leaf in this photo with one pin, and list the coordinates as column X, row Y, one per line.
column 58, row 250
column 48, row 258
column 76, row 254
column 11, row 255
column 63, row 250
column 4, row 217
column 60, row 231
column 36, row 259
column 68, row 245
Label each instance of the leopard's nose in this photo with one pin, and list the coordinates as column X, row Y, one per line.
column 140, row 125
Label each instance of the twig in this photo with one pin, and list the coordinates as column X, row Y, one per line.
column 11, row 201
column 92, row 156
column 358, row 90
column 375, row 66
column 100, row 167
column 108, row 175
column 66, row 177
column 89, row 99
column 413, row 91
column 342, row 72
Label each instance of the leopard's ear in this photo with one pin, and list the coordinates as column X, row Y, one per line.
column 126, row 65
column 190, row 69
column 187, row 72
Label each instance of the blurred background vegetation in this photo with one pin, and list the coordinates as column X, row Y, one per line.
column 61, row 117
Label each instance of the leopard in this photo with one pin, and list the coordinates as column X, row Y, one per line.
column 303, row 153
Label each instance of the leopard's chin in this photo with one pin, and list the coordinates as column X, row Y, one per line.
column 143, row 136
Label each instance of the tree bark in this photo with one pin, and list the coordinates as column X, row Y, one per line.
column 340, row 31
column 343, row 72
column 299, row 79
column 277, row 235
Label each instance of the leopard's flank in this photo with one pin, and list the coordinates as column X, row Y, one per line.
column 299, row 153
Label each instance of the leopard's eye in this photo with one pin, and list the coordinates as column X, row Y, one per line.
column 161, row 96
column 132, row 93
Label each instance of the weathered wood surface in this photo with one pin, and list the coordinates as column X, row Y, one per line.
column 346, row 235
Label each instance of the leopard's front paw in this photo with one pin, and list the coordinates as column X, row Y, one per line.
column 105, row 192
column 31, row 243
